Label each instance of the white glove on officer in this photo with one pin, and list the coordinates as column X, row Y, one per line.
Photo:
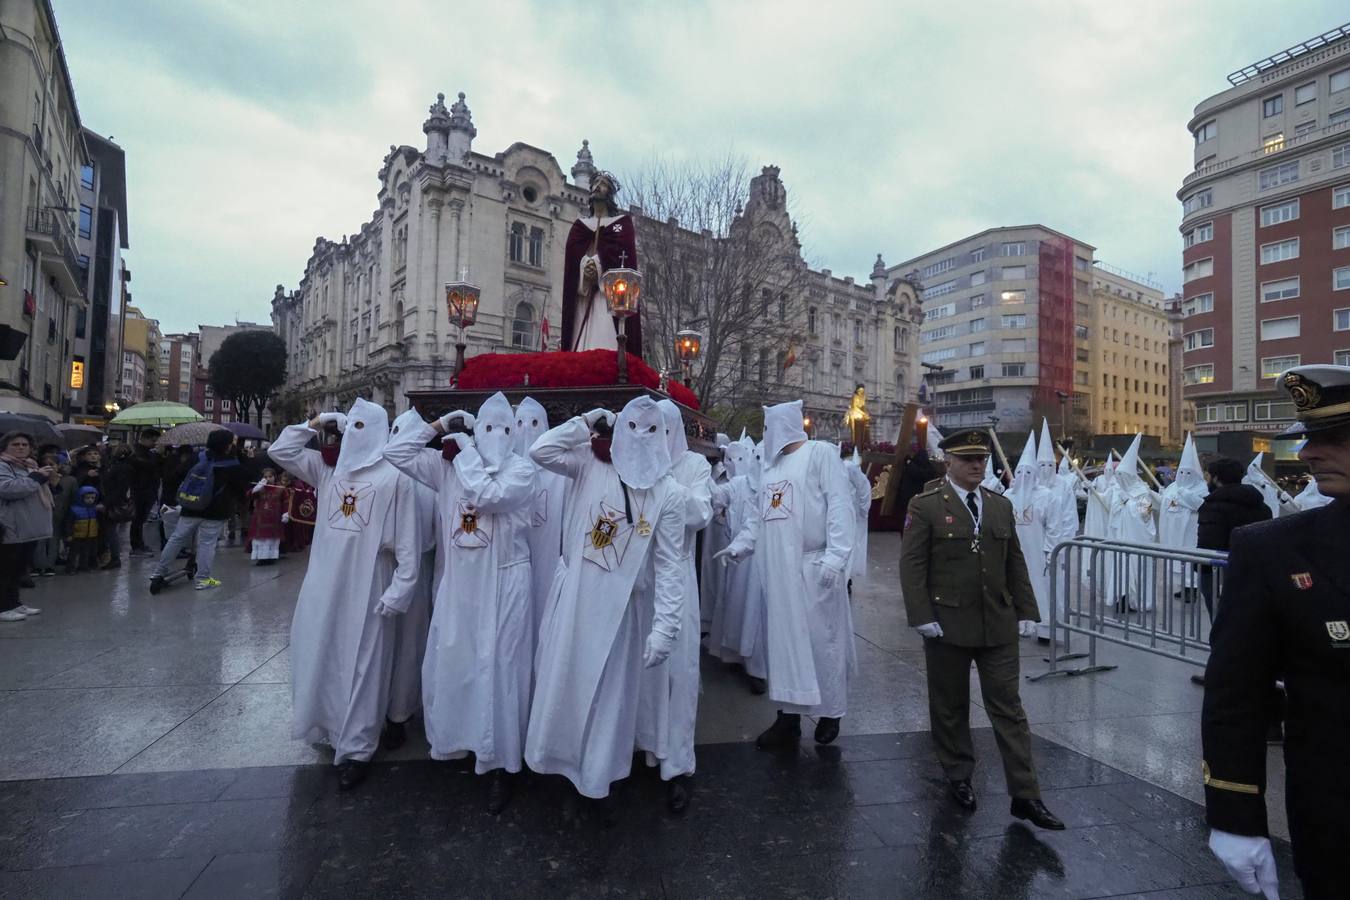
column 596, row 415
column 444, row 421
column 657, row 650
column 461, row 440
column 339, row 418
column 930, row 630
column 1249, row 860
column 1026, row 628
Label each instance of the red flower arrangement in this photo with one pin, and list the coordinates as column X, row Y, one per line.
column 591, row 368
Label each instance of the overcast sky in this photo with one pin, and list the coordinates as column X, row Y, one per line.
column 251, row 128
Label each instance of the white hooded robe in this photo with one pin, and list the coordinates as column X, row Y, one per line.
column 546, row 508
column 737, row 631
column 1179, row 516
column 410, row 639
column 1029, row 501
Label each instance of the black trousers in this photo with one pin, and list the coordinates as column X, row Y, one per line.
column 143, row 507
column 13, row 567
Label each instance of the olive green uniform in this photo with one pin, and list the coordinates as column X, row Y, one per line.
column 977, row 591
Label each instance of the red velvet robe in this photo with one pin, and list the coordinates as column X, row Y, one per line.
column 265, row 524
column 304, row 503
column 617, row 246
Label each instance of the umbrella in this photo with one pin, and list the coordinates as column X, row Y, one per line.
column 245, row 431
column 193, row 433
column 78, row 435
column 156, row 412
column 41, row 429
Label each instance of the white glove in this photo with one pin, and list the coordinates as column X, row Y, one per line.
column 1249, row 860
column 165, row 509
column 469, row 420
column 657, row 650
column 732, row 554
column 597, row 414
column 285, row 518
column 462, row 441
column 1026, row 628
column 339, row 418
column 829, row 576
column 930, row 630
column 387, row 611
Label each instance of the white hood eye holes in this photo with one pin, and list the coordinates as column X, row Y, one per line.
column 359, row 424
column 534, row 423
column 508, row 429
column 396, row 428
column 632, row 426
column 489, row 429
column 651, row 430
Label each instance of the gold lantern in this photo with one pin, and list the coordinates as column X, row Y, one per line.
column 461, row 302
column 623, row 289
column 688, row 346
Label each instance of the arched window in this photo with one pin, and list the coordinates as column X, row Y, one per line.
column 522, row 327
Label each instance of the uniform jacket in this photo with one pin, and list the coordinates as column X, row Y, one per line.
column 1228, row 506
column 1284, row 613
column 977, row 596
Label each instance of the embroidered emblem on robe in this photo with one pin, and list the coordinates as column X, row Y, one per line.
column 608, row 538
column 355, row 502
column 777, row 500
column 472, row 532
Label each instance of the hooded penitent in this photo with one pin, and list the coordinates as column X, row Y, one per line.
column 991, row 481
column 1257, row 478
column 1025, row 481
column 675, row 436
column 531, row 421
column 1132, row 521
column 364, row 438
column 641, row 450
column 782, row 426
column 1028, row 500
column 546, row 510
column 1179, row 518
column 1045, row 455
column 492, row 431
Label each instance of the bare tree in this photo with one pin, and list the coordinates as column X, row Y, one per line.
column 719, row 254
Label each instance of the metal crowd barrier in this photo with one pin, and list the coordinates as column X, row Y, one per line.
column 1142, row 596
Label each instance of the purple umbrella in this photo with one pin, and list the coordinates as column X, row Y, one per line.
column 245, row 431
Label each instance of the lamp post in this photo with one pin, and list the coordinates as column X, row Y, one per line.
column 1063, row 415
column 461, row 301
column 623, row 290
column 688, row 346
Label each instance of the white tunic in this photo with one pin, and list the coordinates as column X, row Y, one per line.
column 410, row 639
column 737, row 631
column 545, row 517
column 583, row 719
column 862, row 498
column 365, row 551
column 806, row 522
column 476, row 674
column 669, row 706
column 1132, row 512
column 1029, row 503
column 712, row 575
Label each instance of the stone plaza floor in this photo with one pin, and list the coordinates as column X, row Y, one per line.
column 144, row 752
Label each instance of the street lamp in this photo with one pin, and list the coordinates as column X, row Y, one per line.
column 461, row 301
column 806, row 425
column 623, row 290
column 688, row 346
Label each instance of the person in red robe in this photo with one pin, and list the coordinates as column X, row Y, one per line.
column 601, row 241
column 266, row 525
column 303, row 504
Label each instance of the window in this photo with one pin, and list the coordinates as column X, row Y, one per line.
column 1340, row 279
column 1272, row 106
column 1284, row 289
column 977, row 325
column 87, row 177
column 1340, row 156
column 1200, row 303
column 537, row 247
column 1303, row 128
column 976, row 278
column 1275, row 176
column 1340, row 80
column 1198, row 340
column 1016, row 321
column 1340, row 238
column 977, row 301
column 1201, row 268
column 1340, row 198
column 977, row 255
column 1305, row 93
column 1014, row 248
column 1338, row 117
column 1342, row 357
column 516, row 242
column 522, row 327
column 937, row 334
column 1273, row 143
column 1206, row 132
column 1081, row 264
column 940, row 312
column 1279, row 329
column 1014, row 273
column 938, row 290
column 1279, row 251
column 977, row 348
column 1080, row 332
column 86, row 221
column 1014, row 370
column 1196, row 201
column 1275, row 366
column 939, row 267
column 209, row 404
column 1198, row 374
column 977, row 371
column 1015, row 345
column 1340, row 320
column 1280, row 212
column 1012, row 298
column 1270, row 410
column 1198, row 235
column 936, row 356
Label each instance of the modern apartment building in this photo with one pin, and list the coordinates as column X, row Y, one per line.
column 177, row 366
column 101, row 238
column 1122, row 367
column 1266, row 234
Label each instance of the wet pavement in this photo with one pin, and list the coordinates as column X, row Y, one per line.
column 145, row 753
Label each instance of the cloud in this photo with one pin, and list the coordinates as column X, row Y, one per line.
column 250, row 129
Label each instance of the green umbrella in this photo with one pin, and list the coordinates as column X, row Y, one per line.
column 161, row 413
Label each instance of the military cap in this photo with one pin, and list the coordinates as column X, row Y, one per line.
column 1321, row 396
column 970, row 442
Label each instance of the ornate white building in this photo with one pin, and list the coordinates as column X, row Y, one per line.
column 369, row 315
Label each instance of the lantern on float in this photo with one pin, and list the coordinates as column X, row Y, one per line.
column 622, row 288
column 688, row 346
column 461, row 302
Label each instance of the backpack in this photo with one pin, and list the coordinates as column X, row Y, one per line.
column 199, row 484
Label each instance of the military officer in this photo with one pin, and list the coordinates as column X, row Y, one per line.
column 967, row 592
column 1285, row 612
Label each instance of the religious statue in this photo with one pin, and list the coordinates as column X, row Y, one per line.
column 858, row 421
column 598, row 242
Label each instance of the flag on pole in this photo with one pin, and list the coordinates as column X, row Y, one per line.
column 543, row 334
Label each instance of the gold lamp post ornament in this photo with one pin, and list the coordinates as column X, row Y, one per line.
column 622, row 287
column 688, row 346
column 461, row 301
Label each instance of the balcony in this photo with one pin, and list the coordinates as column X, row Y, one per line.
column 1270, row 152
column 49, row 233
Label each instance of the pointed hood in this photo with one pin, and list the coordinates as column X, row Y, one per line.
column 1127, row 471
column 409, row 418
column 991, row 481
column 756, row 464
column 1257, row 478
column 1189, row 474
column 492, row 430
column 1065, row 467
column 1025, row 477
column 640, row 449
column 364, row 439
column 675, row 436
column 531, row 421
column 737, row 457
column 1310, row 497
column 782, row 426
column 721, row 440
column 934, row 442
column 856, row 460
column 1045, row 455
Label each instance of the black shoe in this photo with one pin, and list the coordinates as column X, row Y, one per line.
column 1034, row 811
column 351, row 773
column 677, row 795
column 827, row 730
column 785, row 730
column 501, row 788
column 757, row 685
column 27, row 582
column 156, row 584
column 964, row 795
column 1198, row 679
column 465, row 763
column 395, row 735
